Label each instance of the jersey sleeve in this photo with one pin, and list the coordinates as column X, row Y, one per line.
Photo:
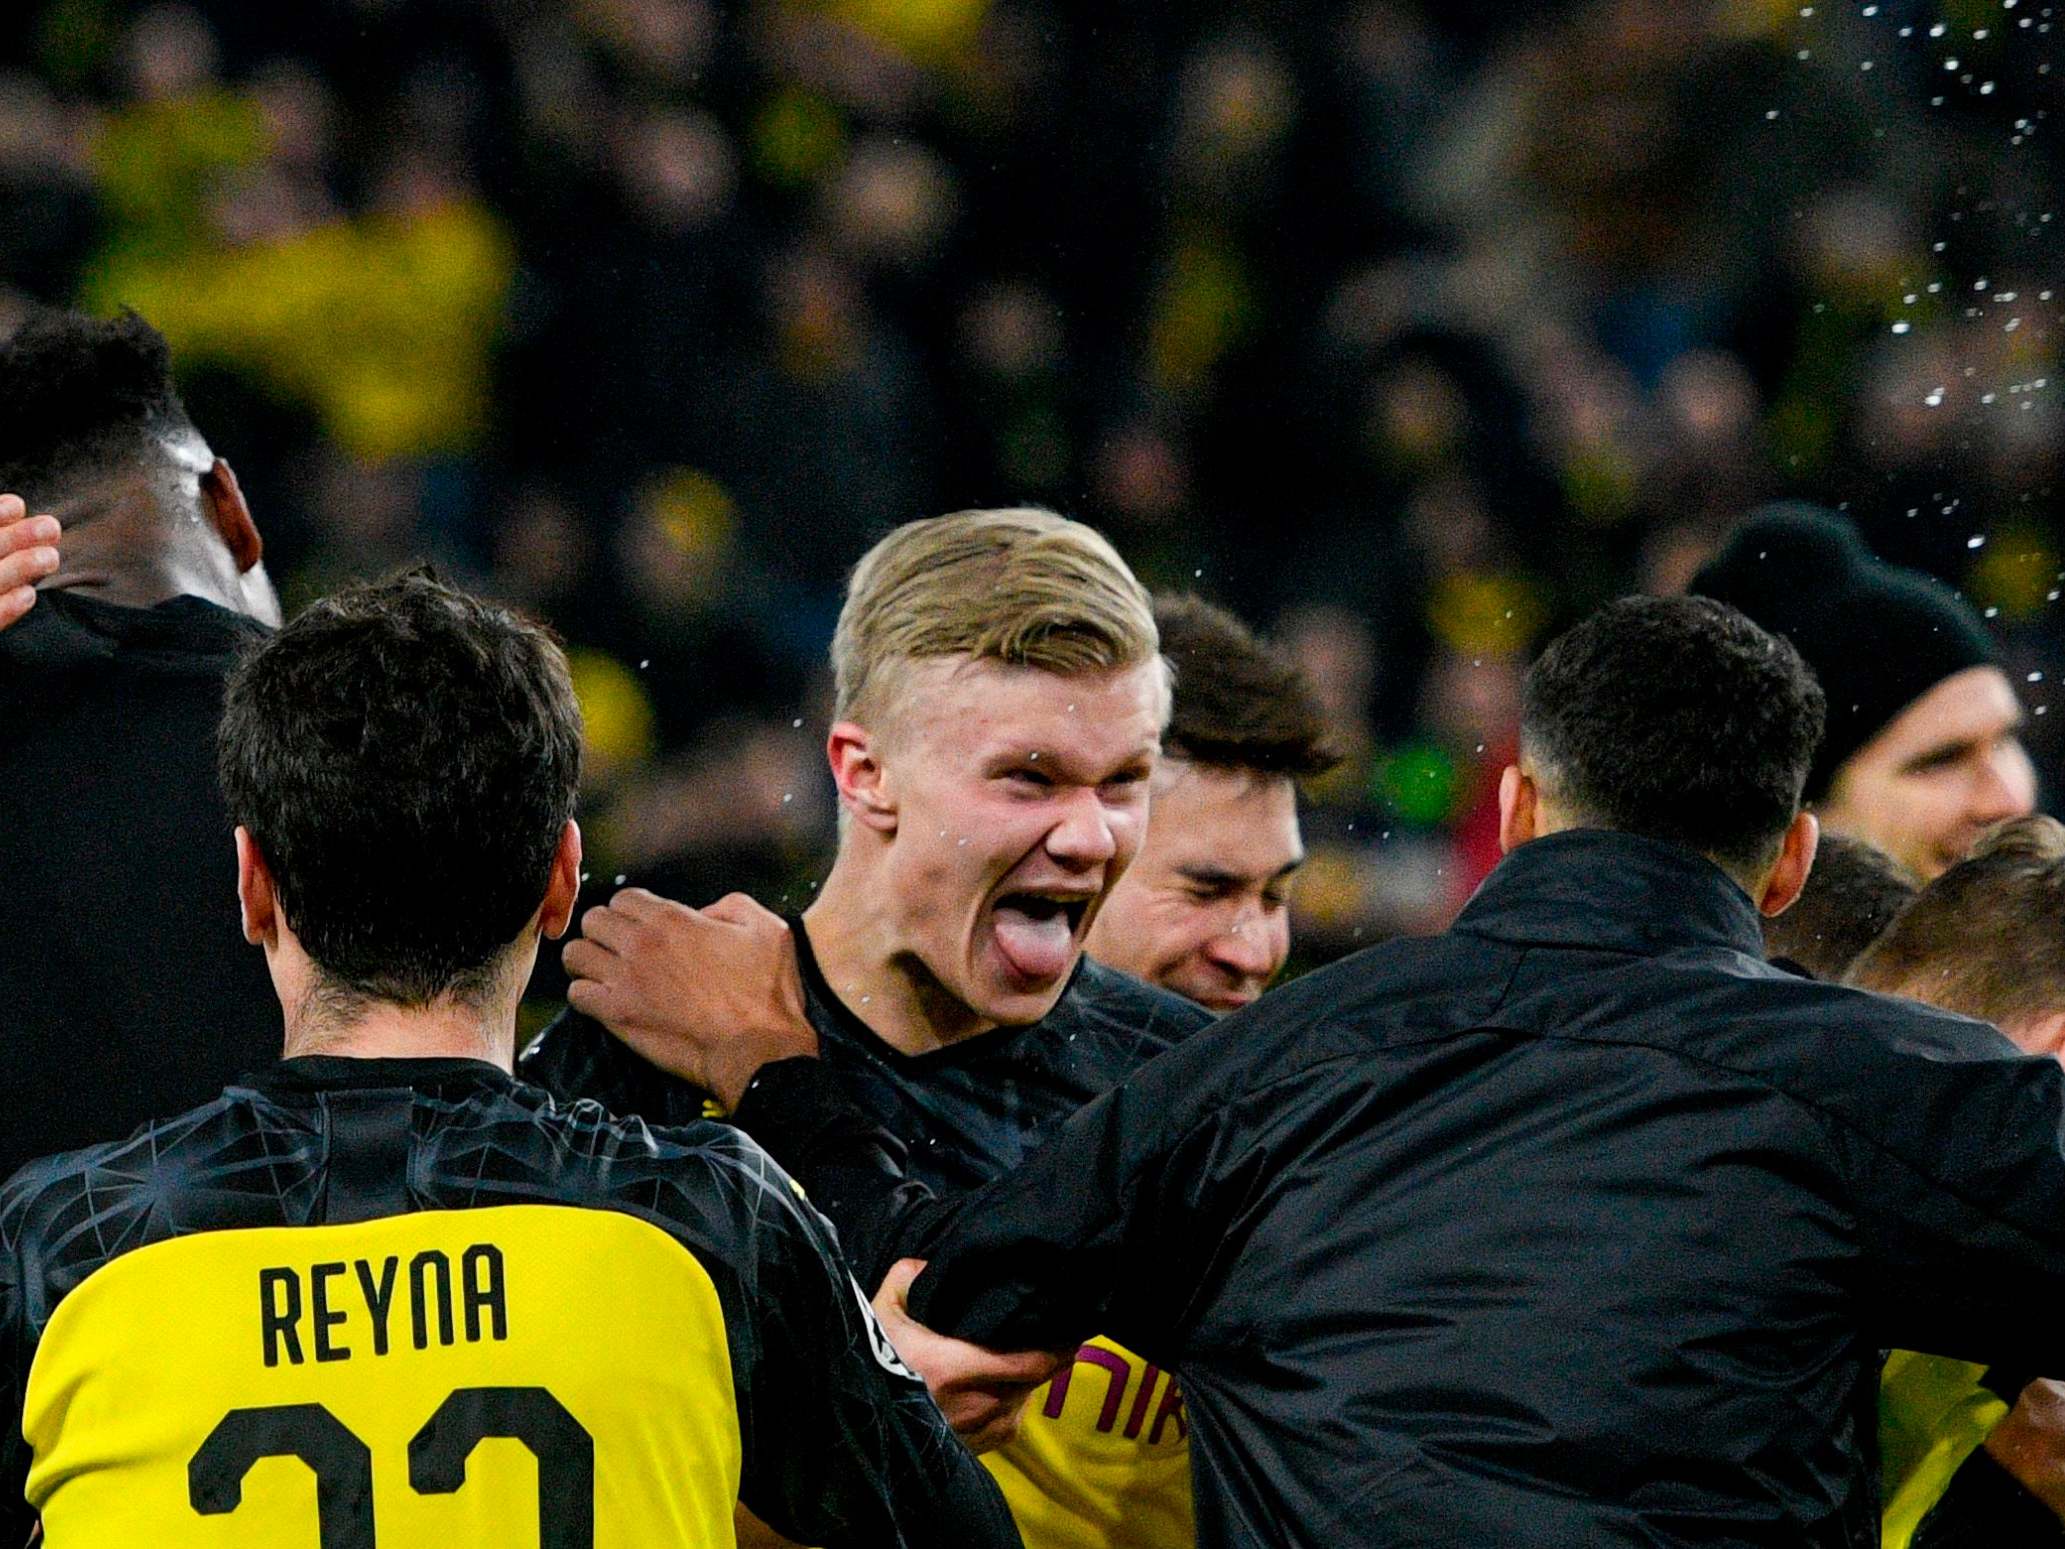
column 843, row 1445
column 575, row 1058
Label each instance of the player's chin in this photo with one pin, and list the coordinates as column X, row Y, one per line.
column 1003, row 994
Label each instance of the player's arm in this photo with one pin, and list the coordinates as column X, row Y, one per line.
column 1954, row 1157
column 843, row 1446
column 28, row 553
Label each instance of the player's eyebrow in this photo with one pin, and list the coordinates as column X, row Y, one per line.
column 1950, row 751
column 1210, row 876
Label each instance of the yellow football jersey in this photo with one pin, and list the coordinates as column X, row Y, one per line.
column 1933, row 1414
column 1102, row 1460
column 448, row 1314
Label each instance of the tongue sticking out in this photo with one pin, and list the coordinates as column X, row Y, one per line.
column 1035, row 938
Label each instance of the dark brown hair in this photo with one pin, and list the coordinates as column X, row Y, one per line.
column 1853, row 893
column 1239, row 704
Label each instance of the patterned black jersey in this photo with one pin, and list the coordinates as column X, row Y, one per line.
column 415, row 1302
column 967, row 1112
column 1101, row 1462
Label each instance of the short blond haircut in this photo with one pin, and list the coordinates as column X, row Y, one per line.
column 1020, row 586
column 1987, row 938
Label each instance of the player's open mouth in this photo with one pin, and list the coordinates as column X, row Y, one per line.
column 1036, row 932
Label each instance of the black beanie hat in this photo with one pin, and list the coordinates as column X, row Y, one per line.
column 1877, row 636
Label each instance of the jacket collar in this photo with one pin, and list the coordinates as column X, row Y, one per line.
column 1595, row 888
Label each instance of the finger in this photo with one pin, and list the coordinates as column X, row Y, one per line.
column 12, row 508
column 591, row 999
column 583, row 959
column 610, row 928
column 642, row 905
column 18, row 534
column 896, row 1284
column 982, row 1370
column 15, row 603
column 25, row 568
column 742, row 909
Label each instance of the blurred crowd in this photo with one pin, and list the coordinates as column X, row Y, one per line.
column 1409, row 331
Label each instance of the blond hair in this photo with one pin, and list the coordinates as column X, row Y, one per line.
column 1987, row 938
column 1020, row 586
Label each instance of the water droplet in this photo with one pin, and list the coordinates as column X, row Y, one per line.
column 1938, row 30
column 797, row 722
column 1993, row 613
column 1900, row 327
column 1981, row 283
column 787, row 797
column 1935, row 398
column 2034, row 677
column 1986, row 88
column 617, row 880
column 1871, row 10
column 1976, row 541
column 1771, row 113
column 644, row 663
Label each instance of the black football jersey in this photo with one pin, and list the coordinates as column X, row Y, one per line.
column 967, row 1112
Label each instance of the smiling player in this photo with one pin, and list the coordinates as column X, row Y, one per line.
column 1001, row 699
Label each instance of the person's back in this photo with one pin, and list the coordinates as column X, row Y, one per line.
column 119, row 919
column 389, row 1259
column 377, row 1266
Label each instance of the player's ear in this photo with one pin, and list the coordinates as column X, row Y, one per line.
column 256, row 900
column 563, row 888
column 1519, row 808
column 855, row 756
column 227, row 509
column 1795, row 861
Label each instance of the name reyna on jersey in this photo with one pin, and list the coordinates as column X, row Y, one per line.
column 345, row 1307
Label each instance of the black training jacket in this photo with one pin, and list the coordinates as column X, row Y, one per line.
column 377, row 1266
column 1578, row 1225
column 119, row 916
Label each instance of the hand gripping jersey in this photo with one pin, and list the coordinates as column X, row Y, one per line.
column 412, row 1302
column 1102, row 1461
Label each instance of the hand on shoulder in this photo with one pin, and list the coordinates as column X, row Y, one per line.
column 709, row 995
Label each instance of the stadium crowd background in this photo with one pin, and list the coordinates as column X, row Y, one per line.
column 1410, row 332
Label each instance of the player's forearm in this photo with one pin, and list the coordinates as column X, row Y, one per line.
column 849, row 1166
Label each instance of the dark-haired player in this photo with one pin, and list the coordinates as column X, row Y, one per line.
column 1579, row 1224
column 1851, row 896
column 1204, row 909
column 109, row 693
column 1001, row 700
column 386, row 1294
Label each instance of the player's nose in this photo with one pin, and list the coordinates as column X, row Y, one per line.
column 1250, row 947
column 1083, row 837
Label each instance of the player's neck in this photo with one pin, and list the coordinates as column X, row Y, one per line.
column 867, row 964
column 123, row 547
column 382, row 1031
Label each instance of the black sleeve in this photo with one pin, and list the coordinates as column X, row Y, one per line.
column 1986, row 1508
column 16, row 1520
column 844, row 1447
column 1107, row 1228
column 851, row 1168
column 1955, row 1166
column 575, row 1058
